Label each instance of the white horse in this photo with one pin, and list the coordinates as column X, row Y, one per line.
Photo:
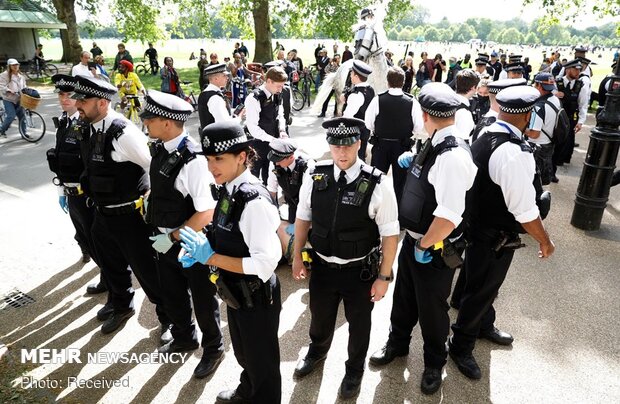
column 371, row 41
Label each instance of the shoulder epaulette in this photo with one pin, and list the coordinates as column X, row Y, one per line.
column 372, row 173
column 116, row 128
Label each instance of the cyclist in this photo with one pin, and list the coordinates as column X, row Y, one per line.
column 151, row 53
column 38, row 59
column 12, row 82
column 128, row 83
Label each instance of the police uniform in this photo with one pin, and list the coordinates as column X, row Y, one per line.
column 244, row 226
column 350, row 211
column 463, row 118
column 287, row 93
column 65, row 160
column 115, row 180
column 357, row 101
column 180, row 188
column 575, row 103
column 264, row 119
column 484, row 57
column 393, row 117
column 436, row 187
column 514, row 65
column 503, row 195
column 497, row 66
column 213, row 105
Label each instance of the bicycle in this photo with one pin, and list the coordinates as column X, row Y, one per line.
column 36, row 69
column 191, row 98
column 305, row 82
column 144, row 68
column 31, row 126
column 131, row 110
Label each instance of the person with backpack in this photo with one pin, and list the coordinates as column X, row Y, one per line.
column 543, row 124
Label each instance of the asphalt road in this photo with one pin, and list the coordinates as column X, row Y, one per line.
column 562, row 311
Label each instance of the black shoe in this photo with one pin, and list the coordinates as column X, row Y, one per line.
column 321, row 116
column 306, row 366
column 555, row 179
column 350, row 387
column 105, row 312
column 85, row 257
column 230, row 396
column 497, row 336
column 172, row 347
column 431, row 380
column 207, row 366
column 115, row 321
column 165, row 335
column 466, row 364
column 386, row 355
column 96, row 288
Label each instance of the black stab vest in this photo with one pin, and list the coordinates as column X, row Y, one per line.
column 570, row 101
column 290, row 182
column 339, row 228
column 368, row 93
column 68, row 151
column 206, row 117
column 268, row 118
column 167, row 206
column 394, row 119
column 418, row 201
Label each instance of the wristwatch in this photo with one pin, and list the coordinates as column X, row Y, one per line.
column 386, row 278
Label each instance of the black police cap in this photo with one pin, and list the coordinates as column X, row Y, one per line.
column 167, row 106
column 91, row 87
column 343, row 131
column 223, row 137
column 438, row 100
column 63, row 82
column 518, row 99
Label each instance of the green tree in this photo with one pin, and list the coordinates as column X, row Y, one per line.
column 531, row 39
column 431, row 34
column 569, row 10
column 406, row 34
column 485, row 25
column 511, row 36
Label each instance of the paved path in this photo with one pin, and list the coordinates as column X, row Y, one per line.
column 563, row 311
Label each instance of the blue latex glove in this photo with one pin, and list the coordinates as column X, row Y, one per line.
column 161, row 243
column 421, row 255
column 196, row 244
column 290, row 229
column 405, row 159
column 64, row 205
column 187, row 261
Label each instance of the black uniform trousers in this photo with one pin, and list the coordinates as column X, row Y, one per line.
column 562, row 153
column 420, row 295
column 176, row 281
column 543, row 155
column 260, row 168
column 485, row 273
column 82, row 217
column 254, row 337
column 328, row 287
column 385, row 153
column 123, row 241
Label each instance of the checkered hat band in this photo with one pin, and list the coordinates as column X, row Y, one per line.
column 513, row 68
column 216, row 70
column 89, row 91
column 494, row 90
column 342, row 130
column 280, row 154
column 175, row 116
column 521, row 110
column 439, row 114
column 65, row 83
column 227, row 144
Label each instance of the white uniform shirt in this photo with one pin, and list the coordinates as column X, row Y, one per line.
column 81, row 70
column 354, row 102
column 217, row 105
column 463, row 119
column 503, row 75
column 373, row 111
column 61, row 189
column 252, row 115
column 583, row 100
column 383, row 208
column 258, row 224
column 272, row 180
column 543, row 120
column 513, row 170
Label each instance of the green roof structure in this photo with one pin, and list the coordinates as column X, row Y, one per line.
column 26, row 14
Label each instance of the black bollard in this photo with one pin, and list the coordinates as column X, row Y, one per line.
column 598, row 168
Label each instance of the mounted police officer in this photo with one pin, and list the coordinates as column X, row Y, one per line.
column 354, row 218
column 358, row 98
column 66, row 161
column 503, row 202
column 115, row 180
column 243, row 250
column 431, row 210
column 180, row 196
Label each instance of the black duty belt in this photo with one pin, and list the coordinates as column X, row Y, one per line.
column 120, row 210
column 353, row 264
column 73, row 191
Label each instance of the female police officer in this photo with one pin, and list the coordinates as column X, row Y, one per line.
column 244, row 248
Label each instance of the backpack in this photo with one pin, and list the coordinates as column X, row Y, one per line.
column 561, row 129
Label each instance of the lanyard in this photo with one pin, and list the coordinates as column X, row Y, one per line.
column 508, row 129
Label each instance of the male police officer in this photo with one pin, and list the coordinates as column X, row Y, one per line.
column 353, row 213
column 393, row 117
column 66, row 162
column 265, row 118
column 116, row 180
column 213, row 106
column 180, row 196
column 287, row 170
column 514, row 69
column 432, row 211
column 503, row 202
column 358, row 98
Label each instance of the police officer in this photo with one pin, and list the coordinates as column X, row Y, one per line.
column 265, row 118
column 287, row 170
column 213, row 105
column 393, row 117
column 66, row 162
column 440, row 177
column 245, row 250
column 353, row 213
column 180, row 196
column 357, row 99
column 115, row 180
column 287, row 95
column 503, row 203
column 466, row 84
column 514, row 69
column 496, row 65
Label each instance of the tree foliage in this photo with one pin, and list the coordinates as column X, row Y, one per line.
column 569, row 10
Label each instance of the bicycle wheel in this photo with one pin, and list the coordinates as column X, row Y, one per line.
column 50, row 70
column 30, row 72
column 32, row 127
column 140, row 69
column 298, row 100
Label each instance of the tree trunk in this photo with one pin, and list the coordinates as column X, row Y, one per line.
column 262, row 30
column 71, row 47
